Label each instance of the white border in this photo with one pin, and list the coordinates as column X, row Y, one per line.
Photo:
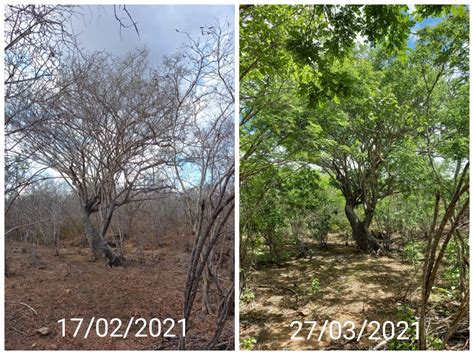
column 236, row 4
column 237, row 182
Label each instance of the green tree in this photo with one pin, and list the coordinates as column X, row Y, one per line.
column 358, row 140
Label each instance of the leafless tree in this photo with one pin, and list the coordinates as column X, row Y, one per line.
column 444, row 227
column 35, row 38
column 119, row 132
column 38, row 39
column 107, row 136
column 204, row 164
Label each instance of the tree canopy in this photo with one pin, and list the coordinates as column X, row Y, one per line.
column 341, row 89
column 354, row 121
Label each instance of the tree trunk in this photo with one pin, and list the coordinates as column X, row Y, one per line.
column 463, row 267
column 360, row 231
column 56, row 232
column 97, row 244
column 206, row 289
column 422, row 335
column 7, row 270
column 296, row 227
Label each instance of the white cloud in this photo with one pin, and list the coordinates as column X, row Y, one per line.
column 157, row 24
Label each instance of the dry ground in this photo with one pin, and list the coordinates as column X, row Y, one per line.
column 353, row 286
column 71, row 286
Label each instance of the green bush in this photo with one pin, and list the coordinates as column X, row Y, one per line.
column 314, row 287
column 247, row 296
column 452, row 272
column 413, row 252
column 247, row 343
column 405, row 313
column 262, row 257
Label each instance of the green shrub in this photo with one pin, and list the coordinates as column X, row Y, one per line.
column 405, row 313
column 452, row 273
column 265, row 258
column 413, row 252
column 247, row 343
column 247, row 296
column 314, row 286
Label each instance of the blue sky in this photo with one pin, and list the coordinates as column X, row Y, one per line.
column 99, row 30
column 431, row 21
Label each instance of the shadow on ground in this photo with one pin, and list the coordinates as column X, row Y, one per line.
column 353, row 287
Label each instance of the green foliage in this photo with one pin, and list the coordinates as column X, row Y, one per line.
column 314, row 287
column 264, row 256
column 275, row 203
column 406, row 213
column 405, row 313
column 446, row 293
column 302, row 41
column 331, row 126
column 413, row 252
column 247, row 343
column 450, row 277
column 247, row 296
column 328, row 122
column 434, row 342
column 451, row 272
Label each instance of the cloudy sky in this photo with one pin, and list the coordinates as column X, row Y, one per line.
column 99, row 30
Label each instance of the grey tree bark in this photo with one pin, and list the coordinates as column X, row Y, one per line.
column 360, row 230
column 97, row 244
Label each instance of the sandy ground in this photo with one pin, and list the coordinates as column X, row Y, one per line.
column 353, row 287
column 71, row 286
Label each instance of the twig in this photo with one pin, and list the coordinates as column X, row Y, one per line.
column 23, row 304
column 296, row 293
column 19, row 331
column 226, row 343
column 379, row 345
column 68, row 271
column 152, row 345
column 410, row 283
column 281, row 288
column 25, row 225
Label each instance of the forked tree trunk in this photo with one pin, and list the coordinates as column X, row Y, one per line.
column 360, row 231
column 97, row 243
